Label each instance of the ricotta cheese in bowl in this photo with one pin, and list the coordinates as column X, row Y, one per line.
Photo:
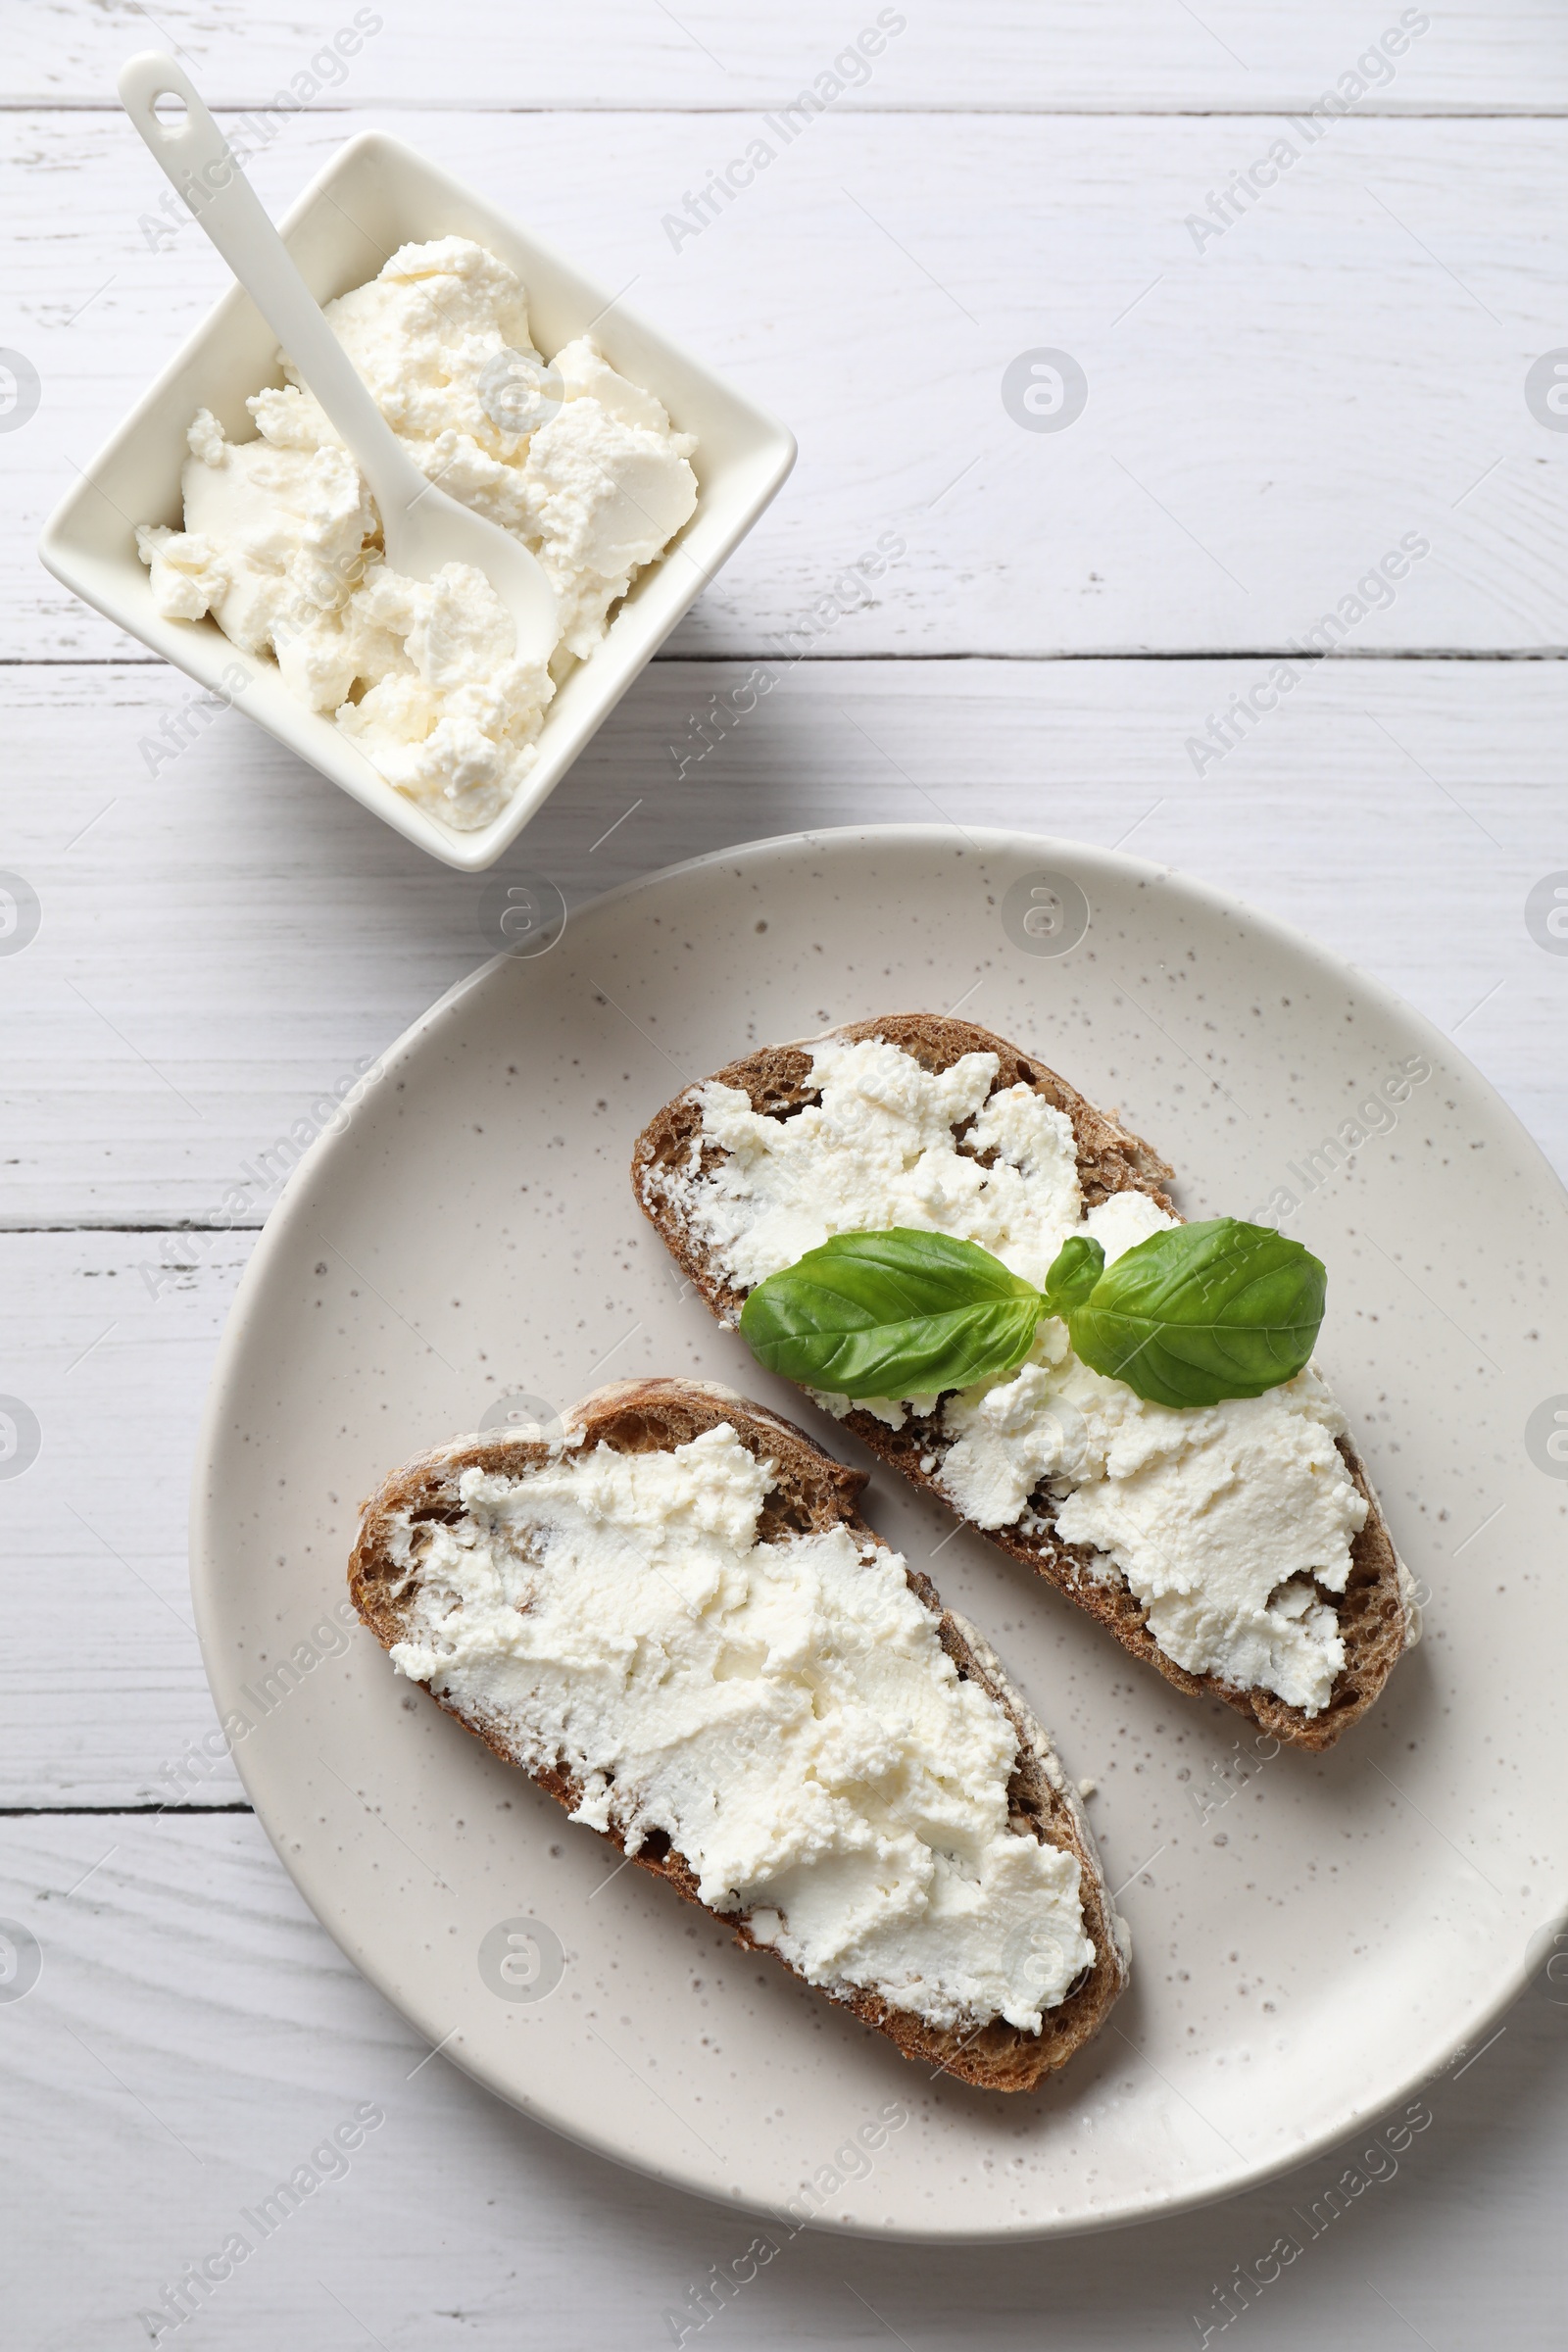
column 1229, row 1522
column 281, row 541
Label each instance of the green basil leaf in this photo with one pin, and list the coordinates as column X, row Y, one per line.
column 892, row 1314
column 1074, row 1271
column 1204, row 1312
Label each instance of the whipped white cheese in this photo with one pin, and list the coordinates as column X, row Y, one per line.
column 282, row 540
column 1223, row 1520
column 782, row 1711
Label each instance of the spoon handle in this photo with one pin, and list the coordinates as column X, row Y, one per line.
column 198, row 161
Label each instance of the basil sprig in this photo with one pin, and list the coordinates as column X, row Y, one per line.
column 1187, row 1317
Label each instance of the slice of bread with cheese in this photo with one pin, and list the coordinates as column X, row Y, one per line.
column 675, row 1620
column 1238, row 1548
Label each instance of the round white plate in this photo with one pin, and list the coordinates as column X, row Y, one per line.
column 1313, row 1937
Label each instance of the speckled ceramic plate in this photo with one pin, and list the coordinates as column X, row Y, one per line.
column 1313, row 1937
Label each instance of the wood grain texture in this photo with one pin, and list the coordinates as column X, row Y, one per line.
column 1266, row 420
column 1230, row 56
column 222, row 943
column 102, row 1682
column 228, row 939
column 194, row 2036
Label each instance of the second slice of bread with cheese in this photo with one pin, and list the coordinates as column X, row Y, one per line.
column 676, row 1621
column 1240, row 1549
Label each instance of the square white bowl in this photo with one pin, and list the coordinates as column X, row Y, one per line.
column 373, row 196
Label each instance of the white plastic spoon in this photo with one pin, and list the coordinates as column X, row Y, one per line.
column 422, row 527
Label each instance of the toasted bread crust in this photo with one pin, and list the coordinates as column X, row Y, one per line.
column 1375, row 1620
column 814, row 1492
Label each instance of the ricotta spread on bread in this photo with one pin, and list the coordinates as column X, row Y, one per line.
column 782, row 1711
column 1224, row 1520
column 281, row 541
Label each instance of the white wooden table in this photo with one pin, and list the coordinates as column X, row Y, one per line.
column 1275, row 401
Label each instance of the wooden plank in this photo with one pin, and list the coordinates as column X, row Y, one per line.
column 1340, row 368
column 222, row 941
column 102, row 1678
column 193, row 2037
column 1233, row 55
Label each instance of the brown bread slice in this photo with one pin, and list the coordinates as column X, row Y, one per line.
column 1377, row 1618
column 813, row 1492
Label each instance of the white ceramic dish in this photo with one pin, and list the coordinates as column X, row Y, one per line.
column 373, row 196
column 1310, row 1947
